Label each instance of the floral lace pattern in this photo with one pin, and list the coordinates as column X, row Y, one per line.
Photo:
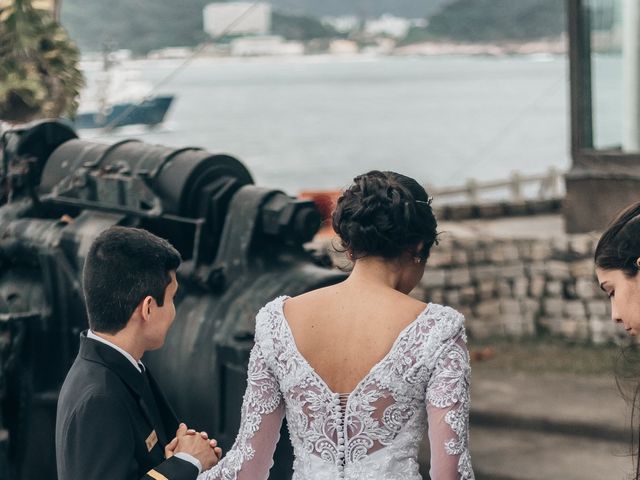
column 372, row 433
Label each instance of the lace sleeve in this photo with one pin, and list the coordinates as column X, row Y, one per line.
column 251, row 456
column 448, row 413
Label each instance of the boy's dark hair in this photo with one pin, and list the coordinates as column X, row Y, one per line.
column 123, row 266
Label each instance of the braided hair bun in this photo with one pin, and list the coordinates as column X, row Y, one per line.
column 385, row 214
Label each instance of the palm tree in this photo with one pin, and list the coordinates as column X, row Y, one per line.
column 39, row 75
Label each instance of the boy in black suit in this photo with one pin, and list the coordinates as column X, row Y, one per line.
column 113, row 422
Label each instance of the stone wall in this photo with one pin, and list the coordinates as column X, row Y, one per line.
column 521, row 287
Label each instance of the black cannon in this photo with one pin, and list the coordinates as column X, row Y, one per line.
column 242, row 245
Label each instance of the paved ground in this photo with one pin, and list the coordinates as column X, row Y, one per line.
column 547, row 426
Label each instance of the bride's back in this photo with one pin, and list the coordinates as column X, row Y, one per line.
column 358, row 367
column 344, row 330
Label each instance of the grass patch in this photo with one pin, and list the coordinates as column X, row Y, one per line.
column 544, row 355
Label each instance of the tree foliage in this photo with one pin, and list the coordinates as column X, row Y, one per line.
column 39, row 75
column 497, row 20
column 297, row 27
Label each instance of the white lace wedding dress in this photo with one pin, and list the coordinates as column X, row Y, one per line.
column 374, row 432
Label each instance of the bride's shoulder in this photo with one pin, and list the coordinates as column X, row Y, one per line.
column 269, row 316
column 445, row 320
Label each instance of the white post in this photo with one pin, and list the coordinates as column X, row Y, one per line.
column 631, row 75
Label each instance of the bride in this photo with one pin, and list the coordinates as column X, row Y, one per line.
column 359, row 367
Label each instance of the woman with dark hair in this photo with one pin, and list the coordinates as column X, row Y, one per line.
column 360, row 367
column 617, row 259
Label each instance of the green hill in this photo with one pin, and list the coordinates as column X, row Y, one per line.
column 144, row 25
column 497, row 20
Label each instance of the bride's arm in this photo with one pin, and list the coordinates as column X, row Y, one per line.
column 448, row 413
column 251, row 456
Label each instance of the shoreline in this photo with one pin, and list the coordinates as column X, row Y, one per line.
column 542, row 47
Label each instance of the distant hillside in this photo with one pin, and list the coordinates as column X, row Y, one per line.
column 147, row 24
column 162, row 23
column 141, row 25
column 366, row 8
column 496, row 20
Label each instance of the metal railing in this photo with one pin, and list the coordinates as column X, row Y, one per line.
column 516, row 188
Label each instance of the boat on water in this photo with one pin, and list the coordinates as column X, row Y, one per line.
column 150, row 111
column 115, row 97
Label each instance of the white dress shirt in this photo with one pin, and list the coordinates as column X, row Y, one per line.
column 140, row 366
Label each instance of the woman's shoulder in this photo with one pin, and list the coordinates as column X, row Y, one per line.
column 269, row 316
column 445, row 321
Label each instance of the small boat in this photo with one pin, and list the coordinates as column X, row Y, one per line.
column 150, row 111
column 116, row 97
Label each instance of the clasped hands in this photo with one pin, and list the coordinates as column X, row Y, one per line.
column 194, row 443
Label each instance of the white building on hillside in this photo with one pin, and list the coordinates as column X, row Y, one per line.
column 246, row 18
column 265, row 45
column 387, row 24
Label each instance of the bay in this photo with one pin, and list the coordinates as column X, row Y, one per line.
column 314, row 122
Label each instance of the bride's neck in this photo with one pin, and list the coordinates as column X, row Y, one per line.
column 374, row 271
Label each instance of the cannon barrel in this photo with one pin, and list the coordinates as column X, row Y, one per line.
column 242, row 245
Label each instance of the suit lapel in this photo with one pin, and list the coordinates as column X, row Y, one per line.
column 95, row 351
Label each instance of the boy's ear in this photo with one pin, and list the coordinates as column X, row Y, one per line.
column 145, row 308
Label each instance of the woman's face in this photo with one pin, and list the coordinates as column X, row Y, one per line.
column 624, row 293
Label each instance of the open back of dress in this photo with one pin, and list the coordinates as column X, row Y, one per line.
column 372, row 433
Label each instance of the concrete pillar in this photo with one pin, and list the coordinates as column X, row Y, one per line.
column 631, row 75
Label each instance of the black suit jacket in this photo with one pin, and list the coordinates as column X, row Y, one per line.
column 111, row 423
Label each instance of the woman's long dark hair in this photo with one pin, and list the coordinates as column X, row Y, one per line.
column 619, row 249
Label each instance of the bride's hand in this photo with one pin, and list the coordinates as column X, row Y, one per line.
column 170, row 447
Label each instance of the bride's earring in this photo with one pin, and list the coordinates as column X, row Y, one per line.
column 638, row 263
column 418, row 260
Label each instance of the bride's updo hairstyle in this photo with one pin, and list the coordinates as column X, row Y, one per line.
column 385, row 214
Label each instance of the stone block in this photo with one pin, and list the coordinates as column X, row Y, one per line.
column 512, row 270
column 553, row 307
column 457, row 277
column 558, row 270
column 436, row 296
column 517, row 325
column 505, row 252
column 434, row 277
column 488, row 309
column 459, row 257
column 452, row 297
column 554, row 288
column 468, row 296
column 530, row 306
column 536, row 286
column 510, row 307
column 552, row 323
column 574, row 309
column 574, row 329
column 598, row 308
column 481, row 329
column 602, row 330
column 540, row 250
column 440, row 257
column 537, row 269
column 524, row 250
column 587, row 288
column 486, row 289
column 503, row 289
column 520, row 287
column 481, row 273
column 582, row 245
column 559, row 246
column 582, row 269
